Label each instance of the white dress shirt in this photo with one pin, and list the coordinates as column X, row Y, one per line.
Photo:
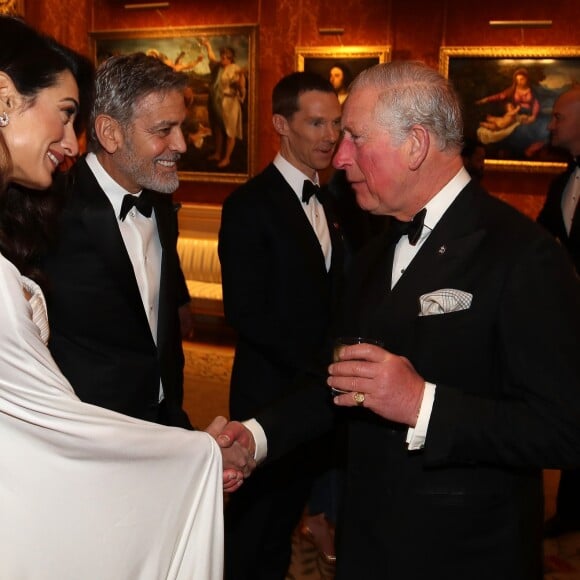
column 141, row 241
column 570, row 199
column 313, row 210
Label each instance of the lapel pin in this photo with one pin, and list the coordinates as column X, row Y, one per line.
column 442, row 250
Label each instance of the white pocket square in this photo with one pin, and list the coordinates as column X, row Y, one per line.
column 444, row 301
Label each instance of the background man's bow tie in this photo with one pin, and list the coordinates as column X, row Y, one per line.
column 308, row 190
column 143, row 203
column 413, row 228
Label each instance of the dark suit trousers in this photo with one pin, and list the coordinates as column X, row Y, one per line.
column 259, row 520
column 261, row 516
column 568, row 500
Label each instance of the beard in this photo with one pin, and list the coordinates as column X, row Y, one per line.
column 145, row 172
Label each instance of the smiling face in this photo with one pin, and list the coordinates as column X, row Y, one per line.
column 376, row 167
column 146, row 157
column 40, row 135
column 309, row 137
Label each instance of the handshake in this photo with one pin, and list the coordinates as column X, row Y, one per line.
column 238, row 450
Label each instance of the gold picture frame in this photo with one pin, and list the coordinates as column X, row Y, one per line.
column 186, row 49
column 349, row 60
column 507, row 94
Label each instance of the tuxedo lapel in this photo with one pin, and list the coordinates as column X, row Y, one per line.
column 574, row 237
column 289, row 207
column 445, row 255
column 102, row 228
column 335, row 231
column 166, row 218
column 551, row 215
column 450, row 244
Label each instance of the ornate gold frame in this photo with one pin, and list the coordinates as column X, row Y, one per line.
column 330, row 53
column 243, row 38
column 509, row 57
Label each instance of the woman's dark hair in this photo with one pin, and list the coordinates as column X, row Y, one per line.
column 33, row 62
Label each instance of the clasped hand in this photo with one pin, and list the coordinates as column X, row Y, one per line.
column 237, row 447
column 390, row 385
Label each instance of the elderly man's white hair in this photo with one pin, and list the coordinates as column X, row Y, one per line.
column 411, row 93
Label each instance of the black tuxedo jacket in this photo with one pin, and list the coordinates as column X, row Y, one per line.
column 551, row 217
column 507, row 402
column 278, row 295
column 100, row 336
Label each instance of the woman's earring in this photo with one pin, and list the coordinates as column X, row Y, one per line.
column 4, row 120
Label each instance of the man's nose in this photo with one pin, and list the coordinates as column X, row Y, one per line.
column 342, row 157
column 178, row 142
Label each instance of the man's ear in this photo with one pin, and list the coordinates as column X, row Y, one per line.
column 108, row 133
column 280, row 124
column 419, row 143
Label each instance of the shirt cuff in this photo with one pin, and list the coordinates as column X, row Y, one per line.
column 259, row 439
column 416, row 435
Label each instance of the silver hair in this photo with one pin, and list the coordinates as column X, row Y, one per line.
column 411, row 93
column 121, row 82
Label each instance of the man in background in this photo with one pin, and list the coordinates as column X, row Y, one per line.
column 561, row 217
column 281, row 257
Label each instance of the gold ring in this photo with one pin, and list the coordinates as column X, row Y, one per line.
column 359, row 398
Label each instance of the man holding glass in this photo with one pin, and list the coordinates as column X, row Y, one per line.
column 477, row 386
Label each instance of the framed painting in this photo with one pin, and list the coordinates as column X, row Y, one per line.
column 507, row 95
column 340, row 64
column 220, row 61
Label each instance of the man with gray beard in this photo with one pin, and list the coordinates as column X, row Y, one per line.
column 115, row 282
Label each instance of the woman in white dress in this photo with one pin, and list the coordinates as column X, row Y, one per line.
column 84, row 492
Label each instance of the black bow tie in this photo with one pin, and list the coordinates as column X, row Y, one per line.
column 413, row 228
column 308, row 190
column 143, row 203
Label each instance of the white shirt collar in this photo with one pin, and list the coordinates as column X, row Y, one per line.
column 436, row 207
column 292, row 175
column 110, row 187
column 440, row 203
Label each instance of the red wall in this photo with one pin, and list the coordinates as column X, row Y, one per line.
column 414, row 30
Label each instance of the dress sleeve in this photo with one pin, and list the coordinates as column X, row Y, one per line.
column 89, row 493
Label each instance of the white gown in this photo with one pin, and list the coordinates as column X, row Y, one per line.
column 86, row 493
